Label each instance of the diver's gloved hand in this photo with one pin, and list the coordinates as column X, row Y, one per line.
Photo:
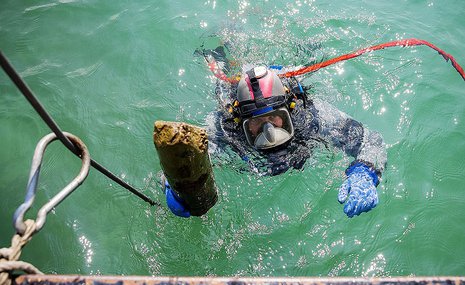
column 175, row 203
column 359, row 190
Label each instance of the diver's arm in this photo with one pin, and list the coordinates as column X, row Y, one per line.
column 351, row 136
column 358, row 191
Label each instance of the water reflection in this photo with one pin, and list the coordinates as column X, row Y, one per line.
column 87, row 250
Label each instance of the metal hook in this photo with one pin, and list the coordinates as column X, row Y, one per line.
column 18, row 218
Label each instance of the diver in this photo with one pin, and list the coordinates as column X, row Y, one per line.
column 273, row 125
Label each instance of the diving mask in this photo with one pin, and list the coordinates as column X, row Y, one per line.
column 269, row 130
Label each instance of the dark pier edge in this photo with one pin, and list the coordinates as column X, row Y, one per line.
column 147, row 280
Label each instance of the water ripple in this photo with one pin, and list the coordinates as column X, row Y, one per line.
column 43, row 6
column 84, row 71
column 38, row 69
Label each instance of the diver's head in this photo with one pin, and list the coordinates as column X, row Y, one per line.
column 262, row 106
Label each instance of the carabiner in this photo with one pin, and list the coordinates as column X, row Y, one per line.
column 18, row 218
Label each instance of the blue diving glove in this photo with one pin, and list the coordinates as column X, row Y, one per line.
column 359, row 190
column 175, row 203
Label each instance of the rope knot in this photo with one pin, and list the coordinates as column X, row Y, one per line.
column 9, row 256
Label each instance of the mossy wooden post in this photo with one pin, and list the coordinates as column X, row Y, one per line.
column 183, row 153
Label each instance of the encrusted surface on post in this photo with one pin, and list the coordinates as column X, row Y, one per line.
column 183, row 153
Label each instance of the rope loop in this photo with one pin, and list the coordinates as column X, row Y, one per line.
column 26, row 229
column 34, row 177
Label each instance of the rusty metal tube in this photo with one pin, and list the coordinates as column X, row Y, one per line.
column 183, row 153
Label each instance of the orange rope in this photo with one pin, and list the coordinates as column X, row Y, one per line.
column 406, row 42
column 216, row 70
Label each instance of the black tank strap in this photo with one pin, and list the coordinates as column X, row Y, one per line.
column 260, row 102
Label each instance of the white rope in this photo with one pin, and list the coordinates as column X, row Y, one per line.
column 9, row 256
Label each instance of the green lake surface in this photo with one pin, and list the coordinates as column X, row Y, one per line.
column 106, row 70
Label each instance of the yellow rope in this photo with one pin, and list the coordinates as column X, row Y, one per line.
column 9, row 256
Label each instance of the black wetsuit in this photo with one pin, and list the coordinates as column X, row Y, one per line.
column 314, row 121
column 318, row 122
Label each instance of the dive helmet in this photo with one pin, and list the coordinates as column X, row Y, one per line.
column 262, row 107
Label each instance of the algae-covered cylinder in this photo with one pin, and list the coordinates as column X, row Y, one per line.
column 183, row 153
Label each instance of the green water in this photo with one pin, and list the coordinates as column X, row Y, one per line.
column 106, row 70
